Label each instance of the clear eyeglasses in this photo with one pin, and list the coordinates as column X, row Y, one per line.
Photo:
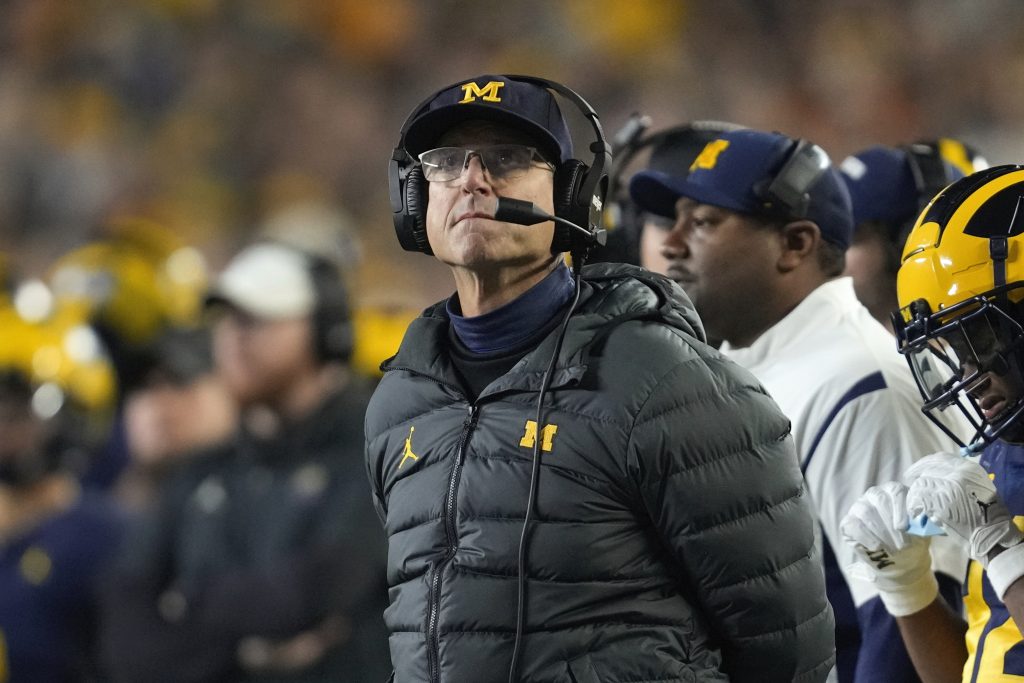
column 502, row 162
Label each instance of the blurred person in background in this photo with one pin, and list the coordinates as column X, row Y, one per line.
column 762, row 223
column 56, row 403
column 260, row 562
column 889, row 186
column 180, row 407
column 133, row 283
column 961, row 329
column 312, row 224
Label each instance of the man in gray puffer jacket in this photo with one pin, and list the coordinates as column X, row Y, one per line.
column 652, row 524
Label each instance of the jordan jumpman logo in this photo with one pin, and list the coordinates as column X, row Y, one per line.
column 408, row 449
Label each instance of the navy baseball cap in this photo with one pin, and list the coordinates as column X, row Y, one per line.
column 734, row 170
column 520, row 104
column 882, row 185
column 677, row 148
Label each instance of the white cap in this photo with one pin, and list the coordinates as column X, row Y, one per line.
column 267, row 281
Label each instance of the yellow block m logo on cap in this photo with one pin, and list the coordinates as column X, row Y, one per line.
column 488, row 93
column 708, row 156
column 547, row 436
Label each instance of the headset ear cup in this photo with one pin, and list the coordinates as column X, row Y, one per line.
column 416, row 208
column 569, row 178
column 332, row 319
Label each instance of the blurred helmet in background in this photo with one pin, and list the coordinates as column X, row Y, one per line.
column 132, row 285
column 57, row 388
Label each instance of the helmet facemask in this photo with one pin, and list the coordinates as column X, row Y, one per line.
column 955, row 352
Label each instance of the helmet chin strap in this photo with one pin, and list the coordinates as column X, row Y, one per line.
column 999, row 249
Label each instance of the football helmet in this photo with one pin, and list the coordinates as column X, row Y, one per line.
column 57, row 390
column 960, row 288
column 131, row 286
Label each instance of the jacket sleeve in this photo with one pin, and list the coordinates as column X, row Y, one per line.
column 716, row 469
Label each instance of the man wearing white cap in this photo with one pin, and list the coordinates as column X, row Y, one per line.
column 258, row 563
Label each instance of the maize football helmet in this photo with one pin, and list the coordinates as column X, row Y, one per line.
column 57, row 390
column 960, row 288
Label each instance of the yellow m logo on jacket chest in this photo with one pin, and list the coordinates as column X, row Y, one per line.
column 547, row 436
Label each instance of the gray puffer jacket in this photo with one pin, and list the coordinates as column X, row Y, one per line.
column 672, row 537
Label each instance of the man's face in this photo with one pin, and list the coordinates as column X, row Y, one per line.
column 460, row 231
column 726, row 263
column 259, row 359
column 995, row 391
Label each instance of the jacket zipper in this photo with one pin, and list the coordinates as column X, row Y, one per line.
column 433, row 640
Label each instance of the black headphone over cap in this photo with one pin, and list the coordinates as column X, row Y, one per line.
column 332, row 319
column 787, row 192
column 579, row 188
column 929, row 170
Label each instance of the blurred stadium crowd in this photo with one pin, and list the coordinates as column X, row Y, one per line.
column 214, row 117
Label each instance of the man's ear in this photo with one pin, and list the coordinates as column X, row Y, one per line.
column 799, row 243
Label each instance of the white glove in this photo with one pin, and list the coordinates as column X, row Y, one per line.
column 958, row 495
column 897, row 563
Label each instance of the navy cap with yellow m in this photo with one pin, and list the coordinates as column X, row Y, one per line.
column 522, row 105
column 740, row 171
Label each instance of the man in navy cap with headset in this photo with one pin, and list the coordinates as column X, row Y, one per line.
column 889, row 186
column 762, row 222
column 574, row 486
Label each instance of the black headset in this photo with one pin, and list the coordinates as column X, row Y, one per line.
column 578, row 193
column 331, row 318
column 929, row 170
column 931, row 174
column 787, row 193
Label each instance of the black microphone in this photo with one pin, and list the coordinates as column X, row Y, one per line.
column 522, row 212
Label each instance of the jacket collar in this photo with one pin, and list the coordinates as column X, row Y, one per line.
column 610, row 295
